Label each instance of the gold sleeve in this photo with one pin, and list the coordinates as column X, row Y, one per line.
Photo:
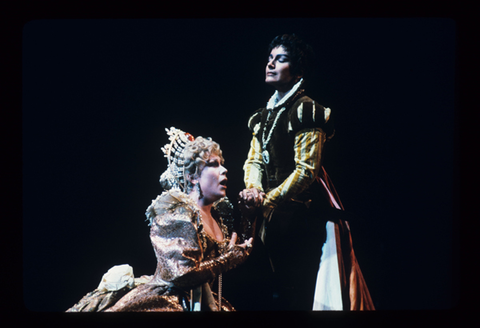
column 253, row 166
column 308, row 148
column 180, row 255
column 208, row 270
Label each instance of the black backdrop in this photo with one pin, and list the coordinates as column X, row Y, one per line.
column 98, row 94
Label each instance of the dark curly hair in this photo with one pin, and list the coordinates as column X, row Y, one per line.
column 301, row 54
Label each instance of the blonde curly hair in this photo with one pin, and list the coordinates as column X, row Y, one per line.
column 195, row 156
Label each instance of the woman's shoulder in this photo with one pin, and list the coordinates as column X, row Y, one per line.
column 171, row 202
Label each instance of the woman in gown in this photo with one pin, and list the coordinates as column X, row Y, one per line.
column 305, row 229
column 192, row 243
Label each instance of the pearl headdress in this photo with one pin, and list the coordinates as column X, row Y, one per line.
column 174, row 175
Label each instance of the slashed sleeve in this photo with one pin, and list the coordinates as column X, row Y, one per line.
column 308, row 123
column 253, row 165
column 308, row 145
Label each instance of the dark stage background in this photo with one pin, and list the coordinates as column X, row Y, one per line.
column 98, row 95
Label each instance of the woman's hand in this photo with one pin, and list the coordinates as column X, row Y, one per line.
column 249, row 199
column 246, row 245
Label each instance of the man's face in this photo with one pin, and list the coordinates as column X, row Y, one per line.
column 277, row 71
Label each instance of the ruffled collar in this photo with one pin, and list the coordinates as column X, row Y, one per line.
column 274, row 102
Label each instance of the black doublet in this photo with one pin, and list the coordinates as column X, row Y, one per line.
column 281, row 143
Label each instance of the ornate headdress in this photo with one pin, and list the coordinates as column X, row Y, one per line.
column 174, row 175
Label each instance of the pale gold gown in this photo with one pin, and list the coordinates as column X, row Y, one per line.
column 187, row 258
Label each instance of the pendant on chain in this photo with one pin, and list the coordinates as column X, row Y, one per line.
column 266, row 156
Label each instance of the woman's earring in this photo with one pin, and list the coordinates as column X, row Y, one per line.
column 199, row 190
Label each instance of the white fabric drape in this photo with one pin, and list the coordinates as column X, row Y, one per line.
column 328, row 292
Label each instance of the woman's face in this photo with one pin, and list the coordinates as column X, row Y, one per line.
column 277, row 72
column 213, row 179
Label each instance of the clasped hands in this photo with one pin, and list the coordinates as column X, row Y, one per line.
column 249, row 199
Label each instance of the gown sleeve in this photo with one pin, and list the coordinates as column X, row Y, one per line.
column 178, row 246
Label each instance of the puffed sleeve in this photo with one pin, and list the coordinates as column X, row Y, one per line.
column 308, row 145
column 308, row 114
column 178, row 247
column 253, row 165
column 311, row 126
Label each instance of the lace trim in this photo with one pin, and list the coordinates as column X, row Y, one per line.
column 274, row 102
